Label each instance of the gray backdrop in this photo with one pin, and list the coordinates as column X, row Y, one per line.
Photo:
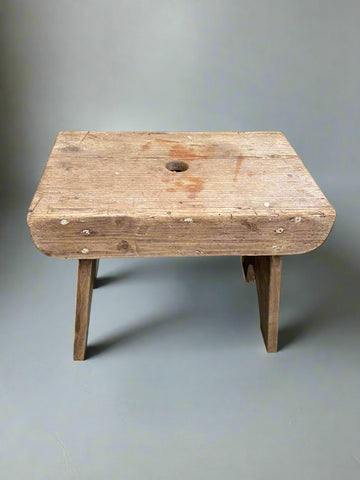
column 178, row 384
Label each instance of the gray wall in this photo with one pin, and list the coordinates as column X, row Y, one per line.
column 181, row 65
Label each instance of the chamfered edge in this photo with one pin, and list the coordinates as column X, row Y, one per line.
column 39, row 224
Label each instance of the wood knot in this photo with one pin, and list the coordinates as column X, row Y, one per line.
column 123, row 246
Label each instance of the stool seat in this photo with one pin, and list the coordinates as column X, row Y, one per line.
column 155, row 194
column 111, row 194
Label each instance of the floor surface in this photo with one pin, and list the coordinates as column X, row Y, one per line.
column 177, row 384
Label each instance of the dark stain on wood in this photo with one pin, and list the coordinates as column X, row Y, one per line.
column 123, row 246
column 70, row 148
column 208, row 150
column 195, row 186
column 162, row 140
column 124, row 222
column 146, row 146
column 250, row 226
column 182, row 152
column 191, row 185
column 66, row 166
column 238, row 166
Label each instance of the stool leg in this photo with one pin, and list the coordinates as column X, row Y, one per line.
column 86, row 279
column 268, row 282
column 96, row 269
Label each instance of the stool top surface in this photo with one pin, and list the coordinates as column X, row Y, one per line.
column 126, row 173
column 175, row 174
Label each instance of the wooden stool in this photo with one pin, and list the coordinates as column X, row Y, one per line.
column 150, row 194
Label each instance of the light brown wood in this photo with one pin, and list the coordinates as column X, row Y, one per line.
column 86, row 278
column 110, row 194
column 268, row 283
column 128, row 194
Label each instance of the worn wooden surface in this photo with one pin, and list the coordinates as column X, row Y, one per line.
column 268, row 284
column 111, row 195
column 86, row 278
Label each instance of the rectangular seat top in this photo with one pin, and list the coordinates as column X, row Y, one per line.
column 108, row 194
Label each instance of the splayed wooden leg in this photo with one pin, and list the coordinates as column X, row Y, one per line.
column 86, row 279
column 266, row 271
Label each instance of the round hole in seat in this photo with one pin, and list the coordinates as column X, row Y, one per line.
column 177, row 166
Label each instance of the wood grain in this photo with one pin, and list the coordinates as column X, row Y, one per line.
column 109, row 194
column 86, row 279
column 268, row 284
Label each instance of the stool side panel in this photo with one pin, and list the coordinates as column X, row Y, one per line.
column 107, row 237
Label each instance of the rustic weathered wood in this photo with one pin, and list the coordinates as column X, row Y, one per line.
column 268, row 283
column 247, row 264
column 86, row 278
column 234, row 193
column 128, row 194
